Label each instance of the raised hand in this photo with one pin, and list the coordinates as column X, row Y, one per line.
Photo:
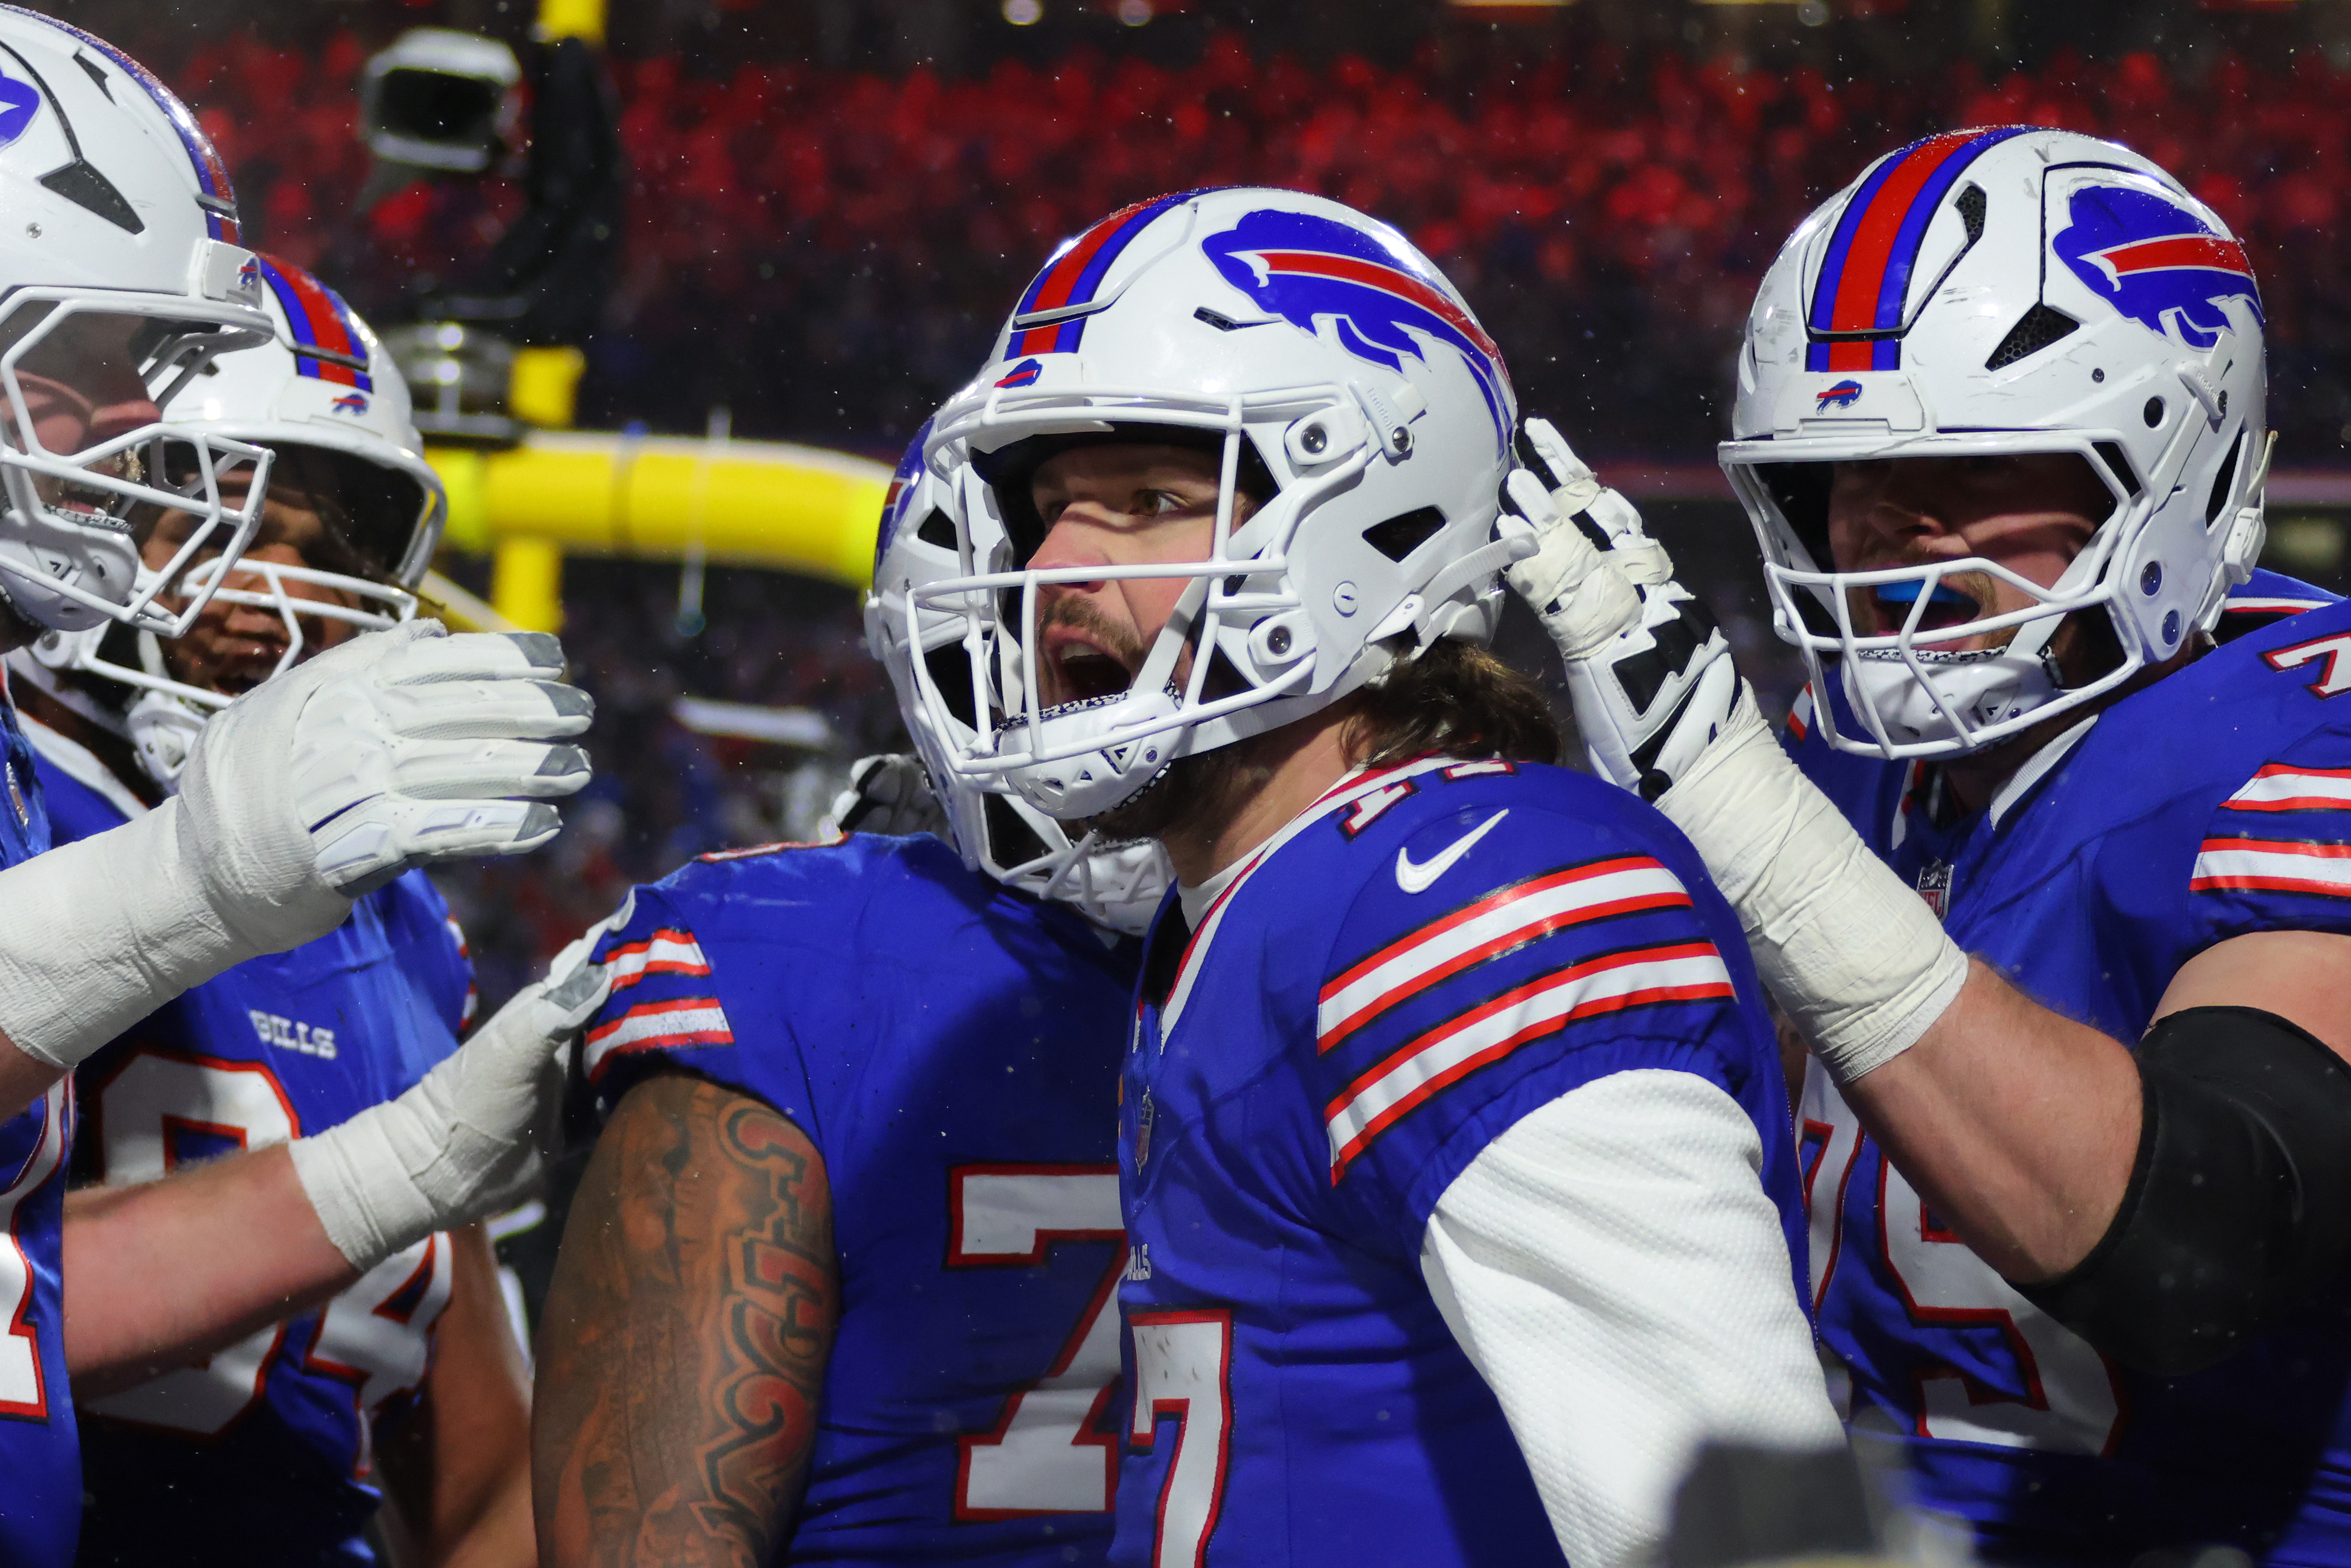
column 1649, row 670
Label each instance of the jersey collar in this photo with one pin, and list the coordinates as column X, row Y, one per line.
column 1348, row 789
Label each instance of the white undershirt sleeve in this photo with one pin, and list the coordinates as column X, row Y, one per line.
column 1613, row 1270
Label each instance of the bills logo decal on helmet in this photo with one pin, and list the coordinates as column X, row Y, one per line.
column 1304, row 268
column 901, row 484
column 2155, row 262
column 353, row 403
column 19, row 101
column 1844, row 394
column 1865, row 273
column 1071, row 279
column 214, row 194
column 326, row 346
column 1025, row 372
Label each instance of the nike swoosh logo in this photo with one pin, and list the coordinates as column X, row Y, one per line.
column 1421, row 877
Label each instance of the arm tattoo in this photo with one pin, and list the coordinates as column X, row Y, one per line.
column 685, row 1335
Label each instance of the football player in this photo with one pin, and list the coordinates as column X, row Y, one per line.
column 121, row 277
column 840, row 1283
column 1460, row 1195
column 2050, row 879
column 266, row 1449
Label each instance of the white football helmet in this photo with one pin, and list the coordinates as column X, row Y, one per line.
column 926, row 524
column 2008, row 290
column 324, row 385
column 1332, row 364
column 121, row 275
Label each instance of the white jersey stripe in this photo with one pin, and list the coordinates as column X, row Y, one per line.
column 2274, row 606
column 1492, row 925
column 2281, row 789
column 655, row 1026
column 1644, row 977
column 2263, row 865
column 668, row 951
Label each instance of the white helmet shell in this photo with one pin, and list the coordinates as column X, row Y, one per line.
column 1991, row 291
column 1320, row 349
column 1118, row 887
column 119, row 220
column 323, row 381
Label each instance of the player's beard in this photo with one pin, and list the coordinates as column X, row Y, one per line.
column 1191, row 789
column 1209, row 788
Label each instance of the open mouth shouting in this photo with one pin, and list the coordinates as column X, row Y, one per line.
column 1080, row 659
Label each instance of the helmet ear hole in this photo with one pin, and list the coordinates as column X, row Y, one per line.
column 85, row 187
column 938, row 529
column 2224, row 482
column 1401, row 534
column 2034, row 330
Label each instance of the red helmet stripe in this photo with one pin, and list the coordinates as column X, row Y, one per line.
column 1872, row 248
column 1351, row 269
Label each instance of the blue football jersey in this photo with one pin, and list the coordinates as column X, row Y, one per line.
column 1432, row 952
column 2214, row 802
column 40, row 1504
column 263, row 1453
column 951, row 1048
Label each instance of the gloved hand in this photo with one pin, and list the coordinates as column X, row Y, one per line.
column 1647, row 669
column 473, row 1138
column 1860, row 964
column 887, row 794
column 396, row 748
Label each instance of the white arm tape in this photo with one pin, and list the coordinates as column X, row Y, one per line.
column 104, row 931
column 1612, row 1266
column 1860, row 963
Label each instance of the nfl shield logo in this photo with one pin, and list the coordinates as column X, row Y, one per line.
column 1935, row 887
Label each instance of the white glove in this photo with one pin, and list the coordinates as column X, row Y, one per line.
column 887, row 794
column 397, row 748
column 472, row 1139
column 1857, row 959
column 1649, row 670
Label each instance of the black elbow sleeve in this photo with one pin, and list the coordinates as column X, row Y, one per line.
column 2240, row 1203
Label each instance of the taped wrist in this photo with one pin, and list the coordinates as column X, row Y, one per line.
column 2238, row 1204
column 358, row 1182
column 104, row 931
column 1859, row 962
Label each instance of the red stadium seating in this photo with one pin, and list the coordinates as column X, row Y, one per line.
column 828, row 253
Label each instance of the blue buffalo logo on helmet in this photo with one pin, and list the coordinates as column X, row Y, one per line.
column 1023, row 374
column 19, row 101
column 352, row 404
column 1844, row 394
column 902, row 489
column 2155, row 262
column 1380, row 303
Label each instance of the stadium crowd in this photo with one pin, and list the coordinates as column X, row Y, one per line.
column 824, row 252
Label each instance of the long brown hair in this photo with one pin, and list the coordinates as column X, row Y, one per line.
column 1456, row 699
